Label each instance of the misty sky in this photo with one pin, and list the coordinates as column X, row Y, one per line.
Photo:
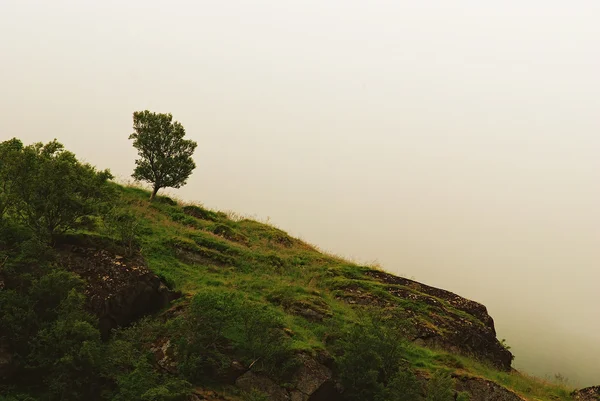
column 456, row 142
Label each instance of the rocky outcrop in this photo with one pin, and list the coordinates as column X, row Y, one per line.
column 484, row 390
column 587, row 394
column 119, row 289
column 312, row 381
column 164, row 355
column 450, row 321
column 251, row 381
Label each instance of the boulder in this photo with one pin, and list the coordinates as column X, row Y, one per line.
column 253, row 381
column 312, row 381
column 485, row 390
column 309, row 378
column 452, row 322
column 587, row 394
column 119, row 289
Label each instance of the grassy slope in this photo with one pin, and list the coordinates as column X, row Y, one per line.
column 268, row 266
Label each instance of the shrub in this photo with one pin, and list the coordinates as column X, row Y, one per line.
column 202, row 341
column 263, row 342
column 440, row 387
column 370, row 360
column 404, row 386
column 68, row 351
column 50, row 290
column 221, row 325
column 124, row 226
column 143, row 383
column 49, row 189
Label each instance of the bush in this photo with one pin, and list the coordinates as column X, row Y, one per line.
column 48, row 189
column 403, row 386
column 124, row 226
column 369, row 366
column 220, row 326
column 143, row 383
column 440, row 387
column 202, row 340
column 264, row 343
column 54, row 342
column 68, row 351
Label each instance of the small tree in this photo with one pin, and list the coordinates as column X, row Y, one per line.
column 165, row 157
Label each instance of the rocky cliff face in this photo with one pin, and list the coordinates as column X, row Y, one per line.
column 484, row 390
column 448, row 321
column 587, row 394
column 119, row 289
column 312, row 381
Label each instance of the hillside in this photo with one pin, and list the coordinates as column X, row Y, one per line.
column 240, row 310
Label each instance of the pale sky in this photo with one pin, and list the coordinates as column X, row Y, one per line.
column 454, row 142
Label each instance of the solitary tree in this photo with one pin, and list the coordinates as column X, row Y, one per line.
column 165, row 157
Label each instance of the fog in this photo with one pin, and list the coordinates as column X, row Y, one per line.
column 454, row 142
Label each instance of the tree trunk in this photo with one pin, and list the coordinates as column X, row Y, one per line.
column 154, row 191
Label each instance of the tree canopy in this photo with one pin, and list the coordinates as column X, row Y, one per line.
column 165, row 156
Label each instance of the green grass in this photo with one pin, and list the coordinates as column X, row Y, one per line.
column 196, row 250
column 529, row 387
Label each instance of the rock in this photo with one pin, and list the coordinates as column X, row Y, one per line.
column 119, row 289
column 164, row 355
column 310, row 376
column 485, row 390
column 587, row 394
column 454, row 323
column 312, row 381
column 252, row 381
column 231, row 374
